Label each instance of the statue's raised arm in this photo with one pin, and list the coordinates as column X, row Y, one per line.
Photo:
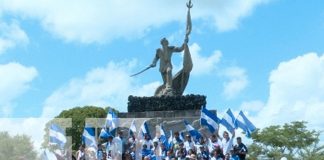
column 189, row 24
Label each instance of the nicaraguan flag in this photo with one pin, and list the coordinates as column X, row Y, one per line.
column 132, row 128
column 57, row 135
column 88, row 137
column 192, row 131
column 209, row 119
column 170, row 141
column 163, row 137
column 111, row 120
column 244, row 123
column 105, row 134
column 144, row 130
column 228, row 121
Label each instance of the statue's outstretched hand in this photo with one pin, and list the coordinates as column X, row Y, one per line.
column 152, row 65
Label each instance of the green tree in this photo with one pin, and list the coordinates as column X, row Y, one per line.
column 78, row 116
column 16, row 147
column 292, row 140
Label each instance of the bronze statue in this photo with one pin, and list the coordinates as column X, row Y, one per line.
column 173, row 85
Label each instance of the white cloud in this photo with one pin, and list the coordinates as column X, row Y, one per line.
column 110, row 85
column 11, row 35
column 252, row 106
column 237, row 81
column 296, row 92
column 203, row 65
column 102, row 21
column 15, row 80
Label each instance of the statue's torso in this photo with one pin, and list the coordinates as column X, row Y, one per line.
column 165, row 58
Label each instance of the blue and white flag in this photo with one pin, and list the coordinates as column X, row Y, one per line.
column 229, row 121
column 144, row 130
column 163, row 136
column 192, row 131
column 244, row 123
column 132, row 128
column 170, row 141
column 111, row 121
column 209, row 119
column 105, row 134
column 88, row 137
column 181, row 136
column 57, row 135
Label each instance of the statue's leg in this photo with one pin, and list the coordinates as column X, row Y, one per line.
column 164, row 78
column 169, row 78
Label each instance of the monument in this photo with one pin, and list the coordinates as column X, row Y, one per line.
column 169, row 106
column 169, row 96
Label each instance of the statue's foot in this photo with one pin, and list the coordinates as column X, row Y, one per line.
column 168, row 91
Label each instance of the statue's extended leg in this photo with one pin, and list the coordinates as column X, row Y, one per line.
column 169, row 78
column 164, row 78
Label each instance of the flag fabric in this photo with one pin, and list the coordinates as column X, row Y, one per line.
column 209, row 119
column 105, row 134
column 57, row 135
column 112, row 121
column 244, row 123
column 228, row 121
column 88, row 137
column 132, row 128
column 163, row 138
column 144, row 130
column 192, row 131
column 170, row 141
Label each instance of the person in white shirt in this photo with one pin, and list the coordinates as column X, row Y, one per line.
column 189, row 144
column 214, row 141
column 147, row 140
column 119, row 143
column 227, row 142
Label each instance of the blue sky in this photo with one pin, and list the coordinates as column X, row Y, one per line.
column 264, row 57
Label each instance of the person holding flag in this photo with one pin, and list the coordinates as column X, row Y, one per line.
column 189, row 144
column 144, row 136
column 228, row 121
column 131, row 135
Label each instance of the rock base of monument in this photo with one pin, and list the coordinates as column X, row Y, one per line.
column 166, row 103
column 162, row 114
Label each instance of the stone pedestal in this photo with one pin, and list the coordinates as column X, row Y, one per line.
column 166, row 103
column 171, row 111
column 162, row 114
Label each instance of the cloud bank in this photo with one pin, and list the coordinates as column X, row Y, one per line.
column 101, row 21
column 15, row 80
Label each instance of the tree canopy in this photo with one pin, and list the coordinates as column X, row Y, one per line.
column 78, row 116
column 292, row 140
column 16, row 147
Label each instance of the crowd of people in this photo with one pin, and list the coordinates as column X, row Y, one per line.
column 177, row 147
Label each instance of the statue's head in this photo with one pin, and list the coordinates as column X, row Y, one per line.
column 164, row 42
